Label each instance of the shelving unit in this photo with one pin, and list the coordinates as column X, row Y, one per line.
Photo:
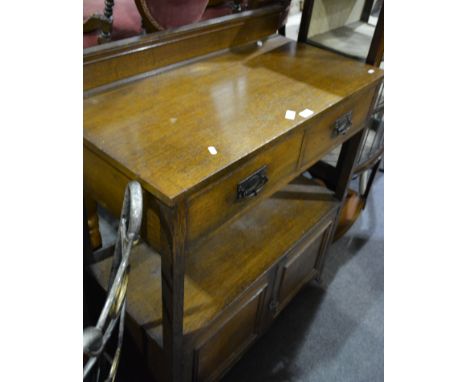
column 227, row 238
column 345, row 27
column 355, row 29
column 228, row 263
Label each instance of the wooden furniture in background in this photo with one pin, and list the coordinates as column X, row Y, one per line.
column 376, row 50
column 231, row 229
column 334, row 20
column 344, row 27
column 93, row 223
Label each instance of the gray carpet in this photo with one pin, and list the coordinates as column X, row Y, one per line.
column 334, row 333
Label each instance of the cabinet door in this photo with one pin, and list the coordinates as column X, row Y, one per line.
column 231, row 335
column 301, row 265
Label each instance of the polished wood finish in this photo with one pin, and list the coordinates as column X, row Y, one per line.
column 320, row 139
column 122, row 60
column 213, row 275
column 213, row 205
column 301, row 265
column 213, row 356
column 143, row 131
column 210, row 263
column 173, row 224
column 223, row 269
column 172, row 168
column 374, row 57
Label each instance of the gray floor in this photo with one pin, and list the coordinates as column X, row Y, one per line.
column 335, row 333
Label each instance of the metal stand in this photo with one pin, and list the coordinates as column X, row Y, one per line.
column 96, row 337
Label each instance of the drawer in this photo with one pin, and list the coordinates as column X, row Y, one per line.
column 301, row 265
column 322, row 135
column 218, row 202
column 228, row 342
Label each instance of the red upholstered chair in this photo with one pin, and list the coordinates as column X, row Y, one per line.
column 126, row 16
column 166, row 14
column 156, row 15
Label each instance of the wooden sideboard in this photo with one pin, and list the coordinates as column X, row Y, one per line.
column 231, row 229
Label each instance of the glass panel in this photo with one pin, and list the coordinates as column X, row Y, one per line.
column 345, row 26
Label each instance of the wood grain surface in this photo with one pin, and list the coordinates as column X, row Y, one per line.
column 158, row 129
column 228, row 263
column 124, row 59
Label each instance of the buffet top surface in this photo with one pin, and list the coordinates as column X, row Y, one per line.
column 175, row 130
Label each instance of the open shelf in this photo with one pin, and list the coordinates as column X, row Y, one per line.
column 228, row 262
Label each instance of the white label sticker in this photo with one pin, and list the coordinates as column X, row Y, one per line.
column 306, row 113
column 212, row 150
column 290, row 114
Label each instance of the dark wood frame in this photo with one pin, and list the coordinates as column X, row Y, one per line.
column 374, row 58
column 101, row 22
column 174, row 237
column 375, row 54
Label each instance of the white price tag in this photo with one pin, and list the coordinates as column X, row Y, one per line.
column 306, row 113
column 212, row 150
column 290, row 114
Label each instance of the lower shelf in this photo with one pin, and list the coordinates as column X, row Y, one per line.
column 227, row 263
column 353, row 39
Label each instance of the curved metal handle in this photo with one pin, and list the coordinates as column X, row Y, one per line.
column 95, row 338
column 252, row 185
column 132, row 209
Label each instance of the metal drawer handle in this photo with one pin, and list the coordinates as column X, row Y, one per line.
column 343, row 124
column 252, row 185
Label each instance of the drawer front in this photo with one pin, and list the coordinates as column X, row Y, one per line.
column 220, row 350
column 215, row 204
column 300, row 266
column 335, row 125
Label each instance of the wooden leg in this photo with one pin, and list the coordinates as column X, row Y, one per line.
column 371, row 181
column 344, row 172
column 346, row 162
column 93, row 223
column 173, row 225
column 325, row 172
column 305, row 20
column 376, row 50
column 366, row 11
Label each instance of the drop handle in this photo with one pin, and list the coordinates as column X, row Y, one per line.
column 343, row 124
column 252, row 185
